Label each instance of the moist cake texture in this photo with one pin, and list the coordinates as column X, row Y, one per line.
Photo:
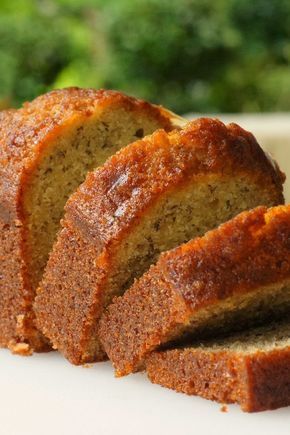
column 252, row 368
column 232, row 277
column 46, row 149
column 151, row 196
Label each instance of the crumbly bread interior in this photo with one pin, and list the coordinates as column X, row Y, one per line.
column 181, row 216
column 274, row 335
column 78, row 149
column 235, row 313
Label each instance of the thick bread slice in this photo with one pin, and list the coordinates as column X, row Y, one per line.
column 149, row 197
column 235, row 275
column 46, row 149
column 252, row 369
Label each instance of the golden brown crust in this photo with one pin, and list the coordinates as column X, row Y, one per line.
column 114, row 198
column 248, row 251
column 258, row 381
column 24, row 136
column 243, row 255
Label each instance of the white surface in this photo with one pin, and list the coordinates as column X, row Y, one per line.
column 268, row 127
column 45, row 395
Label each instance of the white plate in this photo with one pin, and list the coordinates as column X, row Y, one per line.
column 45, row 395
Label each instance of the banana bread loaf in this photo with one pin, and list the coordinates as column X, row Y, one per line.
column 46, row 149
column 151, row 196
column 252, row 368
column 233, row 276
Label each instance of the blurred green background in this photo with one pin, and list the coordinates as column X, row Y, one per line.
column 189, row 55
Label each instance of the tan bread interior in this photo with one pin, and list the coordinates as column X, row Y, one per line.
column 177, row 218
column 234, row 314
column 78, row 149
column 274, row 335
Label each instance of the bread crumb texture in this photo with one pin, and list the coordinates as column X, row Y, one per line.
column 22, row 349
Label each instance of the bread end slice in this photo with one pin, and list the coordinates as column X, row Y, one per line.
column 251, row 369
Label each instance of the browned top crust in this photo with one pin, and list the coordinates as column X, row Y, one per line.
column 242, row 255
column 24, row 132
column 251, row 250
column 115, row 195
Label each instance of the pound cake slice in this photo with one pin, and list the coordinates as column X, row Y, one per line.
column 251, row 369
column 233, row 276
column 151, row 196
column 46, row 149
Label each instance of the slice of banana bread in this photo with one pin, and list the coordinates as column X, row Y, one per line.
column 151, row 196
column 235, row 275
column 46, row 149
column 252, row 368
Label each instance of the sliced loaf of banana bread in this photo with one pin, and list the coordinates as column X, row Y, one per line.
column 233, row 276
column 149, row 197
column 252, row 368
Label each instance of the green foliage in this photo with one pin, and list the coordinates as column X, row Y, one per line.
column 36, row 44
column 190, row 55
